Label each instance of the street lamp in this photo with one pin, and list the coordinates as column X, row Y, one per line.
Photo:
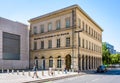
column 78, row 46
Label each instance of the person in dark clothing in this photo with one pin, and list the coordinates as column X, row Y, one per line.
column 35, row 71
column 65, row 70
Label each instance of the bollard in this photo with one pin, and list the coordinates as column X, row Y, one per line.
column 8, row 71
column 17, row 72
column 72, row 70
column 2, row 70
column 29, row 73
column 12, row 71
column 53, row 72
column 48, row 72
column 78, row 71
column 42, row 73
column 23, row 73
column 58, row 71
column 62, row 71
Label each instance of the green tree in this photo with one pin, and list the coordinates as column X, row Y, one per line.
column 118, row 58
column 115, row 58
column 105, row 54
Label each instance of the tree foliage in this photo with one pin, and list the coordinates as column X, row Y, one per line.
column 115, row 58
column 109, row 58
column 105, row 54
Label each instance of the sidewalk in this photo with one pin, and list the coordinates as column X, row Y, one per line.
column 14, row 78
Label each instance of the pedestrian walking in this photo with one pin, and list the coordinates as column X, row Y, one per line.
column 78, row 71
column 35, row 71
column 65, row 70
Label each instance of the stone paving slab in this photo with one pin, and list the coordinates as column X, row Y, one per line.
column 14, row 78
column 54, row 78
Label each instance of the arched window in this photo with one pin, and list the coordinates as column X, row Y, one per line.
column 42, row 57
column 50, row 61
column 43, row 62
column 83, row 62
column 59, row 62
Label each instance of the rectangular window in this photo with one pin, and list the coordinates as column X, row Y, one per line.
column 83, row 25
column 35, row 45
column 67, row 22
column 86, row 28
column 49, row 43
column 68, row 42
column 92, row 47
column 96, row 48
column 50, row 63
column 96, row 35
column 35, row 30
column 11, row 46
column 89, row 30
column 79, row 23
column 58, row 25
column 89, row 45
column 42, row 44
column 86, row 44
column 100, row 49
column 79, row 41
column 49, row 26
column 59, row 63
column 42, row 28
column 100, row 38
column 83, row 43
column 92, row 31
column 58, row 43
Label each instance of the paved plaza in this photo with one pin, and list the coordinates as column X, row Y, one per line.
column 27, row 76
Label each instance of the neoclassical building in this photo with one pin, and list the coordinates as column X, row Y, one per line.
column 65, row 38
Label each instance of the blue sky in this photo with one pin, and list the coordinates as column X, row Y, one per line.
column 105, row 12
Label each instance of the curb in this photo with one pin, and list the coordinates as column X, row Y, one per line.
column 52, row 79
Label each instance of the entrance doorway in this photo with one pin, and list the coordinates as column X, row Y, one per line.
column 68, row 62
column 43, row 63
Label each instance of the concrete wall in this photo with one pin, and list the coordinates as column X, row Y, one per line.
column 19, row 29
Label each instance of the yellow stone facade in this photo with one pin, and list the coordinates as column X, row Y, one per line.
column 59, row 46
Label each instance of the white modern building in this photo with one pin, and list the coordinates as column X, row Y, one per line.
column 14, row 44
